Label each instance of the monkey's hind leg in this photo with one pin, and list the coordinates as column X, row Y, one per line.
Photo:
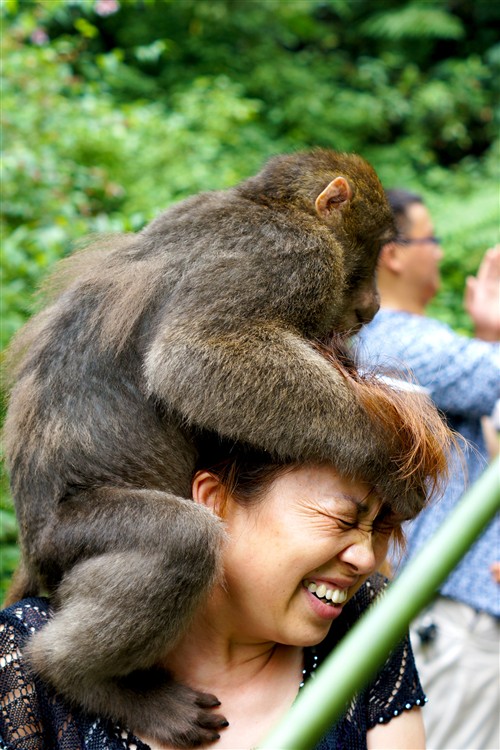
column 120, row 612
column 22, row 585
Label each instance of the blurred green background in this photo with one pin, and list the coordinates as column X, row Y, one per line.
column 112, row 109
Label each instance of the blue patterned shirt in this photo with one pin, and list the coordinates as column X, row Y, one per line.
column 462, row 376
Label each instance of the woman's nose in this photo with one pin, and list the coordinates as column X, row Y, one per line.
column 360, row 554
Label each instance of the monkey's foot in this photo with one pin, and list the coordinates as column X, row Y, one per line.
column 147, row 701
column 173, row 713
column 206, row 724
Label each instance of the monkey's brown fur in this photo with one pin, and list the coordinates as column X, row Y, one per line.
column 204, row 319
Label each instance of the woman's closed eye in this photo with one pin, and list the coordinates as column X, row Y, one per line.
column 345, row 525
column 387, row 522
column 385, row 528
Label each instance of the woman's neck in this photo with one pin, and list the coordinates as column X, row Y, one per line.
column 255, row 681
column 214, row 652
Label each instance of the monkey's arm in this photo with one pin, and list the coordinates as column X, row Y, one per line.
column 264, row 385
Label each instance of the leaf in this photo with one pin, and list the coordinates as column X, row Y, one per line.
column 8, row 526
column 414, row 21
column 86, row 28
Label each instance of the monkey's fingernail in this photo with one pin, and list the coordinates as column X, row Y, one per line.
column 225, row 724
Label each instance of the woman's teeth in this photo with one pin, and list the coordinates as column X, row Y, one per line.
column 332, row 596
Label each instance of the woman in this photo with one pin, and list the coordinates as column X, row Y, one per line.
column 302, row 543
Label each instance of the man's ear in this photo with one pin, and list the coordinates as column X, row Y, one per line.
column 333, row 197
column 206, row 491
column 391, row 257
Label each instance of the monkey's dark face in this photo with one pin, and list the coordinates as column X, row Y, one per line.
column 362, row 248
column 362, row 300
column 364, row 303
column 294, row 559
column 361, row 251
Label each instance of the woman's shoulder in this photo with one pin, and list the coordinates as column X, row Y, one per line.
column 396, row 686
column 20, row 706
column 31, row 714
column 27, row 615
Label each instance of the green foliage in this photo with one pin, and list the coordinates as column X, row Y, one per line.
column 112, row 109
column 415, row 21
column 78, row 163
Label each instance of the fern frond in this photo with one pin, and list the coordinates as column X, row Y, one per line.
column 415, row 21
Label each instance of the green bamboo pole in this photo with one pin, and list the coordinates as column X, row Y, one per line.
column 365, row 648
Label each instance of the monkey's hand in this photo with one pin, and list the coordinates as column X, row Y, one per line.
column 149, row 702
column 266, row 385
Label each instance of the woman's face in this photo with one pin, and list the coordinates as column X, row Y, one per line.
column 299, row 554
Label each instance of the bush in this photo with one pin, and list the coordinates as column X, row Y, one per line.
column 113, row 110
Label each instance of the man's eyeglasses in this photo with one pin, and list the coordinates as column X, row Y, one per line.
column 421, row 241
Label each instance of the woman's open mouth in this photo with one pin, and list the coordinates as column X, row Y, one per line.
column 325, row 594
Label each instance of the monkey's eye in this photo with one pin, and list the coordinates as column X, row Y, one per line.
column 357, row 279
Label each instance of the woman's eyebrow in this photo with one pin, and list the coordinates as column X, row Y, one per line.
column 361, row 506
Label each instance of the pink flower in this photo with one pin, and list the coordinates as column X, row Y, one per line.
column 106, row 7
column 39, row 37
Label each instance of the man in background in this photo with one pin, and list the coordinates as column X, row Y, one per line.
column 457, row 639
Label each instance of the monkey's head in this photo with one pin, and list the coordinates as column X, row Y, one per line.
column 347, row 210
column 349, row 199
column 344, row 193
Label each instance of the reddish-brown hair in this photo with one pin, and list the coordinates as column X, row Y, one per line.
column 418, row 435
column 418, row 438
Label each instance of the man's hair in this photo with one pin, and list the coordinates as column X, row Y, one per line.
column 399, row 200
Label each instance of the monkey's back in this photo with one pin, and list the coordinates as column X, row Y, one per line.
column 79, row 417
column 81, row 413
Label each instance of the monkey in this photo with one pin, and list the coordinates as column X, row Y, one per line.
column 210, row 318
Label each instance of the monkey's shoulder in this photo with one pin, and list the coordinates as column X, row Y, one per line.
column 214, row 218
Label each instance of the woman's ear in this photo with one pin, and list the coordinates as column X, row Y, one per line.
column 206, row 491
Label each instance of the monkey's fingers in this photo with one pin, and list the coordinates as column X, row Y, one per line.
column 208, row 724
column 207, row 700
column 183, row 717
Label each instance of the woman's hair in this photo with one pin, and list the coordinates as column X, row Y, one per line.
column 243, row 472
column 419, row 442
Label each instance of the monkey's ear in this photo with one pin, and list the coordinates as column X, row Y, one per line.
column 333, row 197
